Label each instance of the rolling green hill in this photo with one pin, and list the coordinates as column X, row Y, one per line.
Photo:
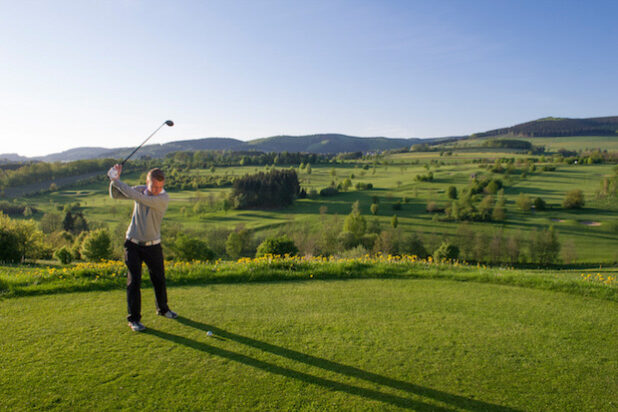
column 329, row 143
column 318, row 143
column 556, row 127
column 337, row 143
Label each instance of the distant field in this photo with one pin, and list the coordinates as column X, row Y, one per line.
column 589, row 233
column 577, row 143
column 555, row 143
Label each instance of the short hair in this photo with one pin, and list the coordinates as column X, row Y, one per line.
column 156, row 174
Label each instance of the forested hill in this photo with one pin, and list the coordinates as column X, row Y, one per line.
column 318, row 143
column 556, row 127
column 333, row 143
column 328, row 143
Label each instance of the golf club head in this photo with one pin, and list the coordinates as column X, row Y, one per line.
column 169, row 123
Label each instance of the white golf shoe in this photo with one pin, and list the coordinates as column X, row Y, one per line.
column 136, row 326
column 169, row 314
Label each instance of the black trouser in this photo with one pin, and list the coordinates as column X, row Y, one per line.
column 134, row 255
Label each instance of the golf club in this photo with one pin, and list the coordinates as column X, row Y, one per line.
column 167, row 122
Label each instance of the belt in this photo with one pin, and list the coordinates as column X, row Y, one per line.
column 149, row 243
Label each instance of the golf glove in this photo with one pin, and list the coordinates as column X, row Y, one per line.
column 113, row 173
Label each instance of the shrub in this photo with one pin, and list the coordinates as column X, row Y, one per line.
column 374, row 208
column 277, row 246
column 355, row 222
column 329, row 191
column 446, row 251
column 413, row 245
column 493, row 186
column 432, row 207
column 364, row 186
column 387, row 242
column 329, row 242
column 63, row 255
column 452, row 192
column 486, row 207
column 523, row 202
column 499, row 212
column 374, row 226
column 347, row 240
column 539, row 204
column 574, row 199
column 25, row 235
column 354, row 253
column 79, row 223
column 233, row 245
column 369, row 240
column 9, row 247
column 424, row 178
column 67, row 222
column 77, row 246
column 51, row 222
column 190, row 248
column 97, row 246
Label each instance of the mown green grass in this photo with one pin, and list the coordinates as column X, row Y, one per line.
column 390, row 344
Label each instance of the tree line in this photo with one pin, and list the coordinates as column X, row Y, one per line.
column 36, row 172
column 556, row 127
column 205, row 159
column 274, row 189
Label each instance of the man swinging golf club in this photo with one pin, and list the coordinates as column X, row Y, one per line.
column 143, row 239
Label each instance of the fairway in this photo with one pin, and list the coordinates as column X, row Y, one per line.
column 314, row 345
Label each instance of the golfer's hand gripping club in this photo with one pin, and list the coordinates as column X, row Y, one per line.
column 114, row 172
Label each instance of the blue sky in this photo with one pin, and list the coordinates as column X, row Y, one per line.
column 107, row 73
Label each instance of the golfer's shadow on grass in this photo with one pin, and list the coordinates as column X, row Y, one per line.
column 442, row 397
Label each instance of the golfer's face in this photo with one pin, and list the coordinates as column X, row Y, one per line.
column 154, row 186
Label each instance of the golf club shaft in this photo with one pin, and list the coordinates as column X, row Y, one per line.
column 144, row 142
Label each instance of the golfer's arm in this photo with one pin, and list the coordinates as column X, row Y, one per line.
column 115, row 193
column 155, row 202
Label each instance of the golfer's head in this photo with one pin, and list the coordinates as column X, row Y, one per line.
column 155, row 181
